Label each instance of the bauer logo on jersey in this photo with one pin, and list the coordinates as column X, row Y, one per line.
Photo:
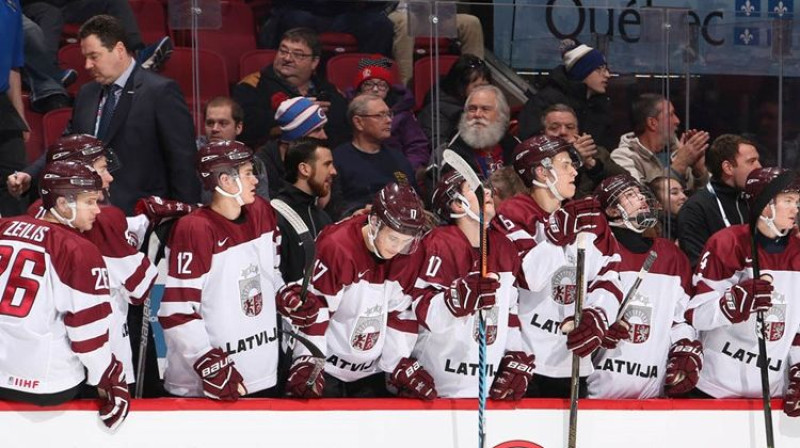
column 639, row 315
column 562, row 285
column 491, row 326
column 250, row 291
column 775, row 318
column 367, row 330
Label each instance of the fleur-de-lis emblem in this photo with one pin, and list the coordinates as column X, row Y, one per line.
column 781, row 9
column 746, row 36
column 748, row 8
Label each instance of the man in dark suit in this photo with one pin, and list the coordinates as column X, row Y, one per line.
column 140, row 115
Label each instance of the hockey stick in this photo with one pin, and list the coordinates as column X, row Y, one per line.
column 316, row 353
column 648, row 263
column 459, row 164
column 762, row 346
column 574, row 384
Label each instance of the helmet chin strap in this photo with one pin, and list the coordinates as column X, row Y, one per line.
column 67, row 222
column 551, row 185
column 372, row 235
column 770, row 222
column 237, row 195
column 624, row 220
column 467, row 209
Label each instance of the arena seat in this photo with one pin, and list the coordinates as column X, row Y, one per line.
column 254, row 60
column 423, row 73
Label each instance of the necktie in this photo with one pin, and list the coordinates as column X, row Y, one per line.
column 108, row 110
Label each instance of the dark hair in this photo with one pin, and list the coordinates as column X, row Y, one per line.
column 466, row 69
column 237, row 113
column 725, row 147
column 306, row 36
column 302, row 150
column 645, row 106
column 108, row 30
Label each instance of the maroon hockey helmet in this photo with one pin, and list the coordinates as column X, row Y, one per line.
column 763, row 184
column 82, row 148
column 66, row 178
column 540, row 150
column 613, row 190
column 220, row 156
column 399, row 207
column 448, row 189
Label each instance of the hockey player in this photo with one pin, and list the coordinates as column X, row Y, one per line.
column 450, row 291
column 367, row 328
column 55, row 311
column 544, row 232
column 218, row 310
column 130, row 273
column 727, row 297
column 650, row 340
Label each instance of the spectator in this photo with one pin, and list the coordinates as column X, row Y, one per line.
column 297, row 117
column 642, row 151
column 730, row 159
column 13, row 127
column 560, row 120
column 483, row 139
column 468, row 72
column 505, row 184
column 468, row 31
column 365, row 164
column 375, row 78
column 290, row 75
column 224, row 119
column 671, row 195
column 581, row 83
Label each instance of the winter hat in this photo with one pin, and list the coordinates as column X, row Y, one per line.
column 373, row 68
column 580, row 59
column 297, row 117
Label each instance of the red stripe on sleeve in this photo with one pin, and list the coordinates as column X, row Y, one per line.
column 405, row 325
column 608, row 286
column 796, row 340
column 87, row 316
column 138, row 276
column 181, row 295
column 89, row 345
column 177, row 319
column 513, row 321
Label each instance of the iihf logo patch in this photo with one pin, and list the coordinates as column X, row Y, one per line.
column 562, row 285
column 250, row 291
column 367, row 330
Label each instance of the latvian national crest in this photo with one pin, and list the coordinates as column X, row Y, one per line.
column 562, row 285
column 250, row 291
column 491, row 326
column 775, row 318
column 639, row 315
column 367, row 330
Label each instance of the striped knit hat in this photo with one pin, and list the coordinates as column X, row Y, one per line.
column 297, row 117
column 580, row 60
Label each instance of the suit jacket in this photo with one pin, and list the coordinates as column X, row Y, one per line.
column 152, row 134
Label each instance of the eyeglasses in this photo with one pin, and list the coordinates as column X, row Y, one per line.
column 383, row 115
column 377, row 84
column 297, row 55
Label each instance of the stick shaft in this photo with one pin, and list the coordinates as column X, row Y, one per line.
column 145, row 334
column 762, row 352
column 574, row 386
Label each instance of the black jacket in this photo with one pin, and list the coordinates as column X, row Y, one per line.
column 292, row 253
column 700, row 216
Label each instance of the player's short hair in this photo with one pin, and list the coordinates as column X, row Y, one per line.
column 107, row 29
column 237, row 113
column 303, row 150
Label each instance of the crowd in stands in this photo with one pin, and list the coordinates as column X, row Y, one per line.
column 391, row 305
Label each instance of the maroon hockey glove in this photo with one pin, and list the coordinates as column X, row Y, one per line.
column 513, row 376
column 586, row 338
column 412, row 380
column 577, row 216
column 791, row 401
column 300, row 376
column 618, row 331
column 738, row 302
column 683, row 367
column 221, row 380
column 157, row 209
column 291, row 305
column 113, row 390
column 471, row 293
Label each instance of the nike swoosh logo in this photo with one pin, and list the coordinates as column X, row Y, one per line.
column 362, row 274
column 221, row 243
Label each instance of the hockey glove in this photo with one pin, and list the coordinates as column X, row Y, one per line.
column 471, row 293
column 587, row 337
column 412, row 380
column 747, row 296
column 300, row 375
column 577, row 216
column 221, row 380
column 513, row 376
column 791, row 401
column 683, row 367
column 618, row 331
column 156, row 209
column 291, row 305
column 113, row 390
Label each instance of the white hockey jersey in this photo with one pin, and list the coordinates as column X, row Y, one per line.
column 636, row 367
column 547, row 288
column 731, row 350
column 368, row 325
column 54, row 311
column 220, row 292
column 448, row 346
